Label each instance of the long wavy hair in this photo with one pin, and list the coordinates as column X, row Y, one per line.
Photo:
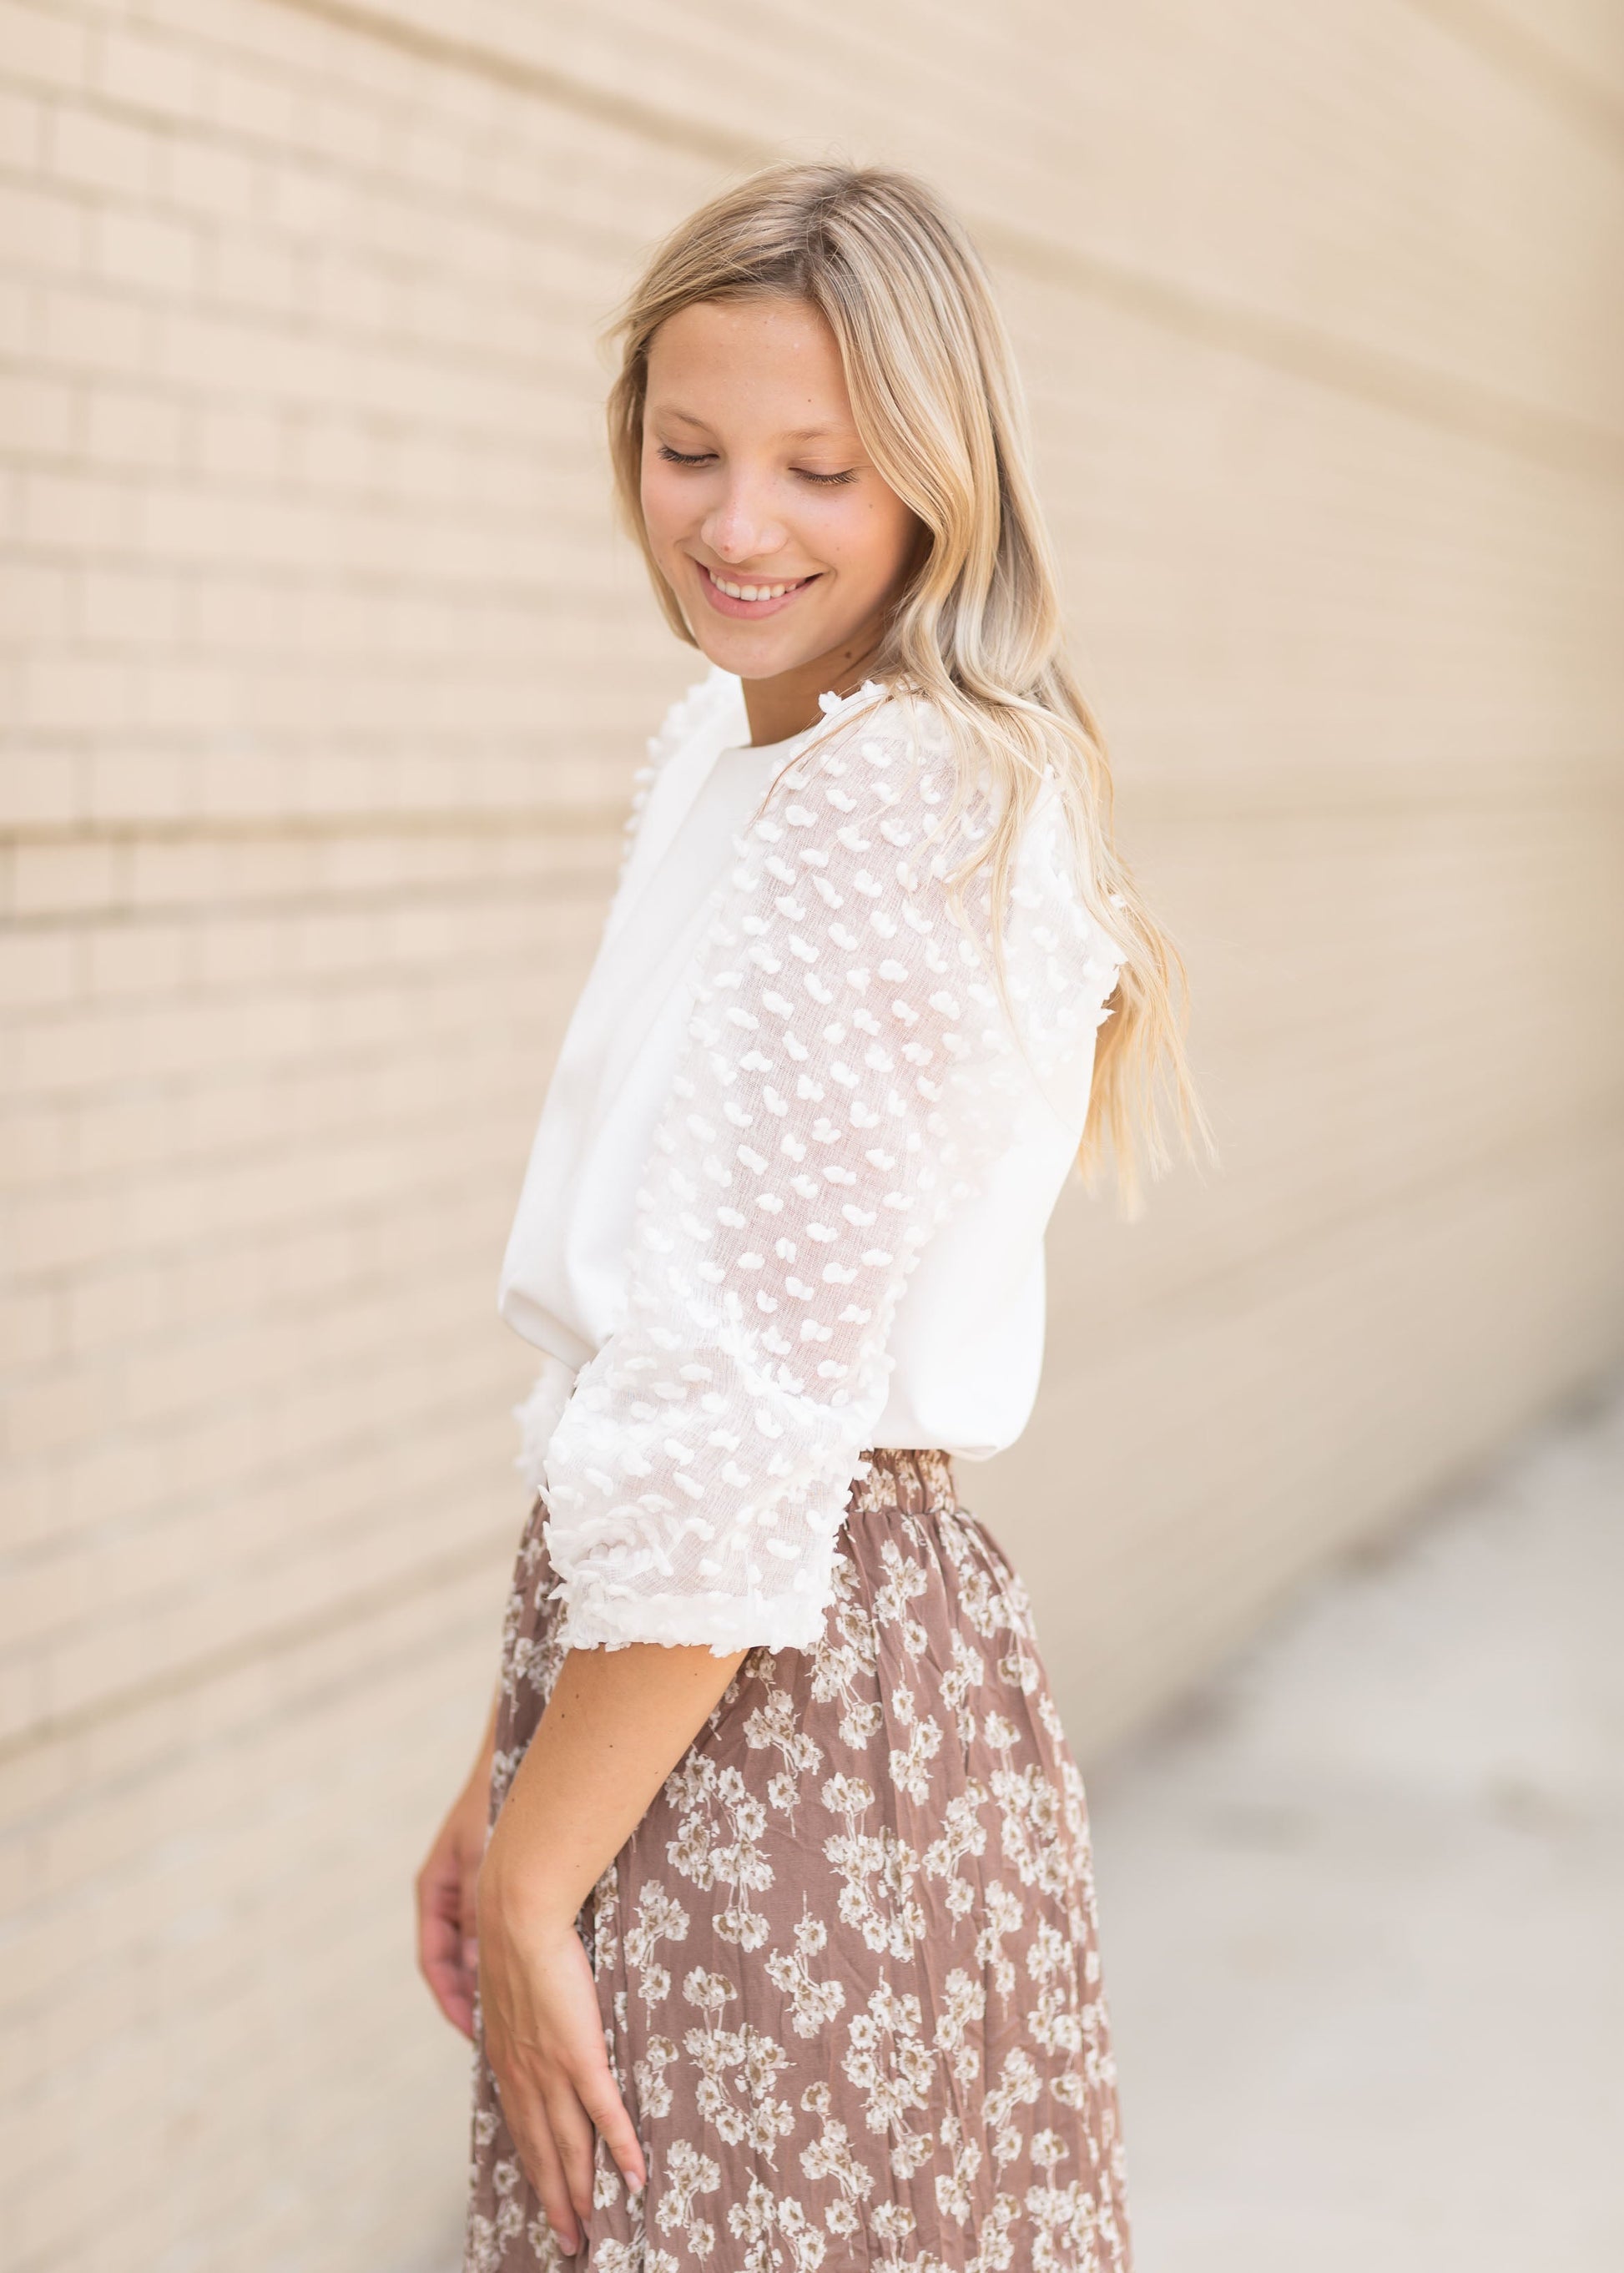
column 976, row 630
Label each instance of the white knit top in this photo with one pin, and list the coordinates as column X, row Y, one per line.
column 787, row 1197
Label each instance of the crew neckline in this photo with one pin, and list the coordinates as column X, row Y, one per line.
column 830, row 704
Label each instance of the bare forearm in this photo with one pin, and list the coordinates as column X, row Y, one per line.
column 617, row 1723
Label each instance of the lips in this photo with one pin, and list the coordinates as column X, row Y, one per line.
column 750, row 599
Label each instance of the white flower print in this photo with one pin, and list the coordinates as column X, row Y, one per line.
column 910, row 1768
column 653, row 2090
column 743, row 2057
column 830, row 2156
column 1018, row 2086
column 1003, row 1914
column 813, row 2004
column 841, row 2042
column 1020, row 1668
column 954, row 2196
column 1031, row 1826
column 890, row 1919
column 963, row 1832
column 544, row 2245
column 904, row 1581
column 625, row 2257
column 706, row 1797
column 1064, row 2220
column 660, row 1917
column 958, row 1684
column 997, row 2252
column 687, row 2174
column 762, row 2214
column 774, row 1725
column 1056, row 2021
column 893, row 2068
column 845, row 1662
column 964, row 2001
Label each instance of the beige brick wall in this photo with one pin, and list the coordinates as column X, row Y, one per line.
column 322, row 679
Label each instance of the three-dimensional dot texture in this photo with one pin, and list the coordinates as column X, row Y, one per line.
column 848, row 1075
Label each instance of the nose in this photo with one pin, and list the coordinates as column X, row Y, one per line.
column 742, row 524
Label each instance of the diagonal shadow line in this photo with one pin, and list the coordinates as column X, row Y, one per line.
column 1524, row 58
column 1435, row 398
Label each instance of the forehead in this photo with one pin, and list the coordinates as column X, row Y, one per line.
column 762, row 357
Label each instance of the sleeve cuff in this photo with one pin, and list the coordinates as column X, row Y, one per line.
column 599, row 1617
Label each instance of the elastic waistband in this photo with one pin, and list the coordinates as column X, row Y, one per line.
column 919, row 1482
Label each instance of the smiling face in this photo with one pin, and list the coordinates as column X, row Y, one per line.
column 785, row 548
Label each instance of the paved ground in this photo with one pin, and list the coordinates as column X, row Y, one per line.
column 1363, row 1909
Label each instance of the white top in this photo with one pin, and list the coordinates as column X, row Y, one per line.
column 788, row 1197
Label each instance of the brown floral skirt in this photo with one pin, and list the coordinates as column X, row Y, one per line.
column 846, row 1962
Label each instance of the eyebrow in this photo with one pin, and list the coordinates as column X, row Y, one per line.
column 797, row 434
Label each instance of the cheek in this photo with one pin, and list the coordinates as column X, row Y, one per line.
column 874, row 540
column 662, row 505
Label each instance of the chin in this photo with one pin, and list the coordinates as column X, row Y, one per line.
column 750, row 658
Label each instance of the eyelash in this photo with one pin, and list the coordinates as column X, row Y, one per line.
column 822, row 481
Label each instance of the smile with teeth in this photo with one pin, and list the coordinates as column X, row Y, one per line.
column 755, row 591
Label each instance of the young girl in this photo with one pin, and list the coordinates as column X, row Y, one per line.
column 784, row 1949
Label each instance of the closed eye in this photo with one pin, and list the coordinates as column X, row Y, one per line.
column 804, row 473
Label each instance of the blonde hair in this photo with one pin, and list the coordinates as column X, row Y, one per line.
column 976, row 631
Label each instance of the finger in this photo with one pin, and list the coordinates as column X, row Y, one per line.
column 467, row 1912
column 606, row 2110
column 574, row 2136
column 437, row 1902
column 526, row 2118
column 436, row 1940
column 440, row 1962
column 452, row 1989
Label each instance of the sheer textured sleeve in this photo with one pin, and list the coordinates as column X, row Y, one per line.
column 848, row 1073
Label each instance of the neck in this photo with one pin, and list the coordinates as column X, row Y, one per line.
column 778, row 707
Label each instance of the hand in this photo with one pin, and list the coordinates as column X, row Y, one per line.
column 447, row 1948
column 544, row 2039
column 616, row 1724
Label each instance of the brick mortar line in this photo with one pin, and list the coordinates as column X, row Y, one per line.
column 1257, row 1270
column 169, row 1753
column 277, row 1640
column 90, row 1004
column 1254, row 1273
column 1448, row 402
column 1437, row 398
column 1291, row 794
column 333, row 1216
column 111, row 1270
column 650, row 122
column 450, row 822
column 1597, row 1117
column 1433, row 398
column 350, row 1446
column 248, row 907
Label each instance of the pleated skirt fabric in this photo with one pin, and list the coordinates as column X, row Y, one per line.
column 846, row 1963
